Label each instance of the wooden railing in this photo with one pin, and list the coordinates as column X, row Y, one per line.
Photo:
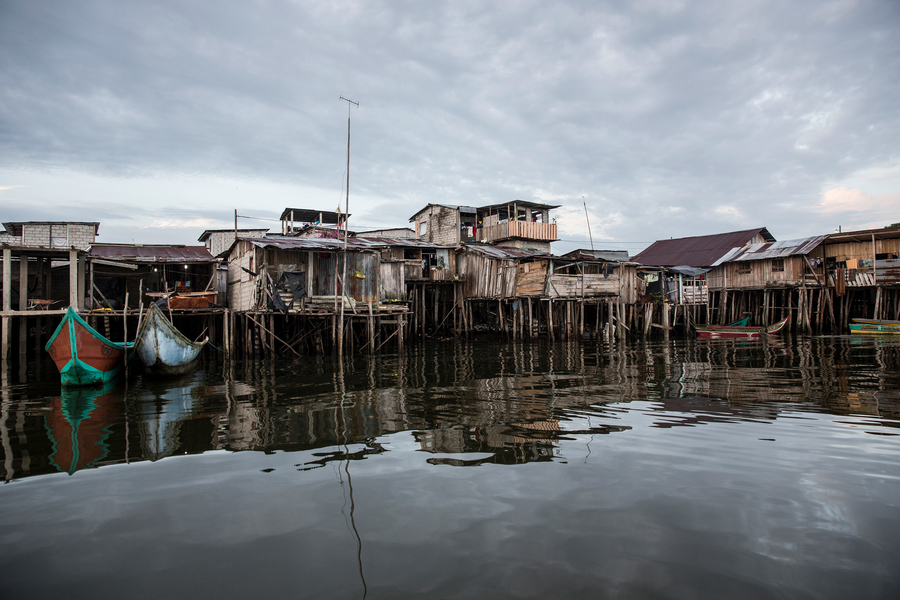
column 517, row 229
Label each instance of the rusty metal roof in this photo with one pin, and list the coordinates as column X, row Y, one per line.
column 152, row 254
column 522, row 203
column 699, row 251
column 504, row 252
column 605, row 255
column 773, row 250
column 333, row 244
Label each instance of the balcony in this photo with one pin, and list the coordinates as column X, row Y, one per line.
column 525, row 230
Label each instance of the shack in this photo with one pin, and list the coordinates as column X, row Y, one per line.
column 327, row 284
column 147, row 272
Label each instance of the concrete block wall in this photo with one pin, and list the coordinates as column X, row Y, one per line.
column 219, row 241
column 443, row 225
column 81, row 236
column 68, row 234
column 36, row 235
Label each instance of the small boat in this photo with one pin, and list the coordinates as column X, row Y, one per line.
column 739, row 331
column 162, row 348
column 82, row 355
column 875, row 326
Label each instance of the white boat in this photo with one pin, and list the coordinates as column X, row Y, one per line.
column 162, row 348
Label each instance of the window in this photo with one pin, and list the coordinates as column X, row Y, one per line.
column 743, row 268
column 777, row 265
column 423, row 228
column 59, row 236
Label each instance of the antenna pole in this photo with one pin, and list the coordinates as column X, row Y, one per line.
column 346, row 227
column 588, row 223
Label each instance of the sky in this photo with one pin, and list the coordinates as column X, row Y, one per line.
column 643, row 120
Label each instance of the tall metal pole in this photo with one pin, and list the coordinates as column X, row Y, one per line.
column 588, row 224
column 346, row 227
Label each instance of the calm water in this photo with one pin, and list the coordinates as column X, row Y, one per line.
column 683, row 469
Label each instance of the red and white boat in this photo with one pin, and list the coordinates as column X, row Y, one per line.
column 737, row 331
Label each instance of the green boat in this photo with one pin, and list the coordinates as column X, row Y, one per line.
column 875, row 326
column 82, row 355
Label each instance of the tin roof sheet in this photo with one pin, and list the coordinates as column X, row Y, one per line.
column 699, row 251
column 310, row 215
column 332, row 244
column 152, row 254
column 607, row 255
column 774, row 249
column 506, row 252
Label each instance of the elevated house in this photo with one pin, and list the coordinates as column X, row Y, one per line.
column 328, row 283
column 863, row 267
column 518, row 224
column 534, row 290
column 44, row 267
column 679, row 269
column 769, row 280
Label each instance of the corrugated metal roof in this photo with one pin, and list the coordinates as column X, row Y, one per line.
column 522, row 203
column 152, row 254
column 699, row 251
column 310, row 215
column 774, row 250
column 332, row 244
column 607, row 255
column 506, row 252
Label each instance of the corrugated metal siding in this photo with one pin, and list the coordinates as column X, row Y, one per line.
column 781, row 249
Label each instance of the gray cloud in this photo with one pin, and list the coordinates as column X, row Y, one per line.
column 645, row 108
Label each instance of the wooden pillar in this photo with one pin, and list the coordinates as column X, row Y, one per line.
column 73, row 279
column 550, row 318
column 23, row 304
column 7, row 305
column 876, row 313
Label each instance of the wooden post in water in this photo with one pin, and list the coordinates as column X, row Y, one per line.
column 550, row 318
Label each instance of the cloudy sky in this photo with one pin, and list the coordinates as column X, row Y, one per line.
column 666, row 119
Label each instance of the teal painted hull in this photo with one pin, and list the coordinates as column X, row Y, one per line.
column 875, row 327
column 84, row 356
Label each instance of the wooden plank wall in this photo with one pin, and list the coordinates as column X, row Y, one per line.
column 532, row 279
column 581, row 286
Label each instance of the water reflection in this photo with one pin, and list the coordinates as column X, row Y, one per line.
column 466, row 404
column 78, row 424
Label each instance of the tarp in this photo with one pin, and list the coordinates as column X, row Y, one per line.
column 689, row 271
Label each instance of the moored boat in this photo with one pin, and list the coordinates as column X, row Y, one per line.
column 739, row 331
column 875, row 326
column 162, row 348
column 82, row 355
